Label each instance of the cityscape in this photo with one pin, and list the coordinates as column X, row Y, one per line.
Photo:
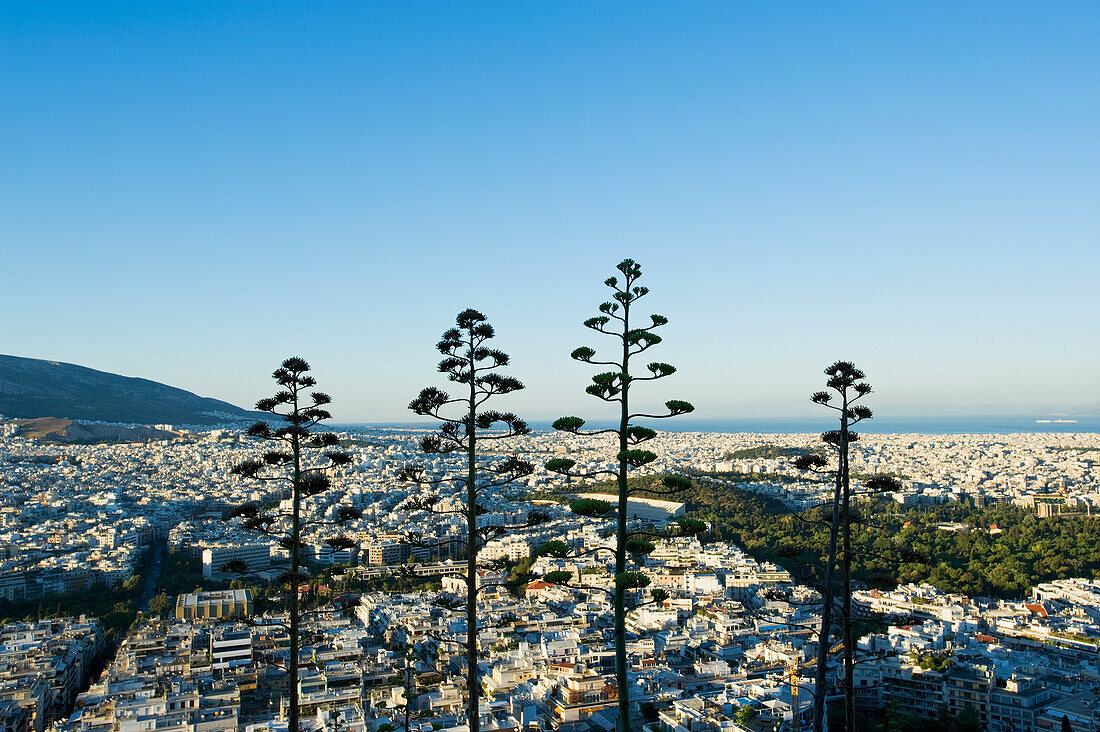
column 549, row 367
column 722, row 648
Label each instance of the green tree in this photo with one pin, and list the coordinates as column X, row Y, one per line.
column 159, row 604
column 614, row 386
column 303, row 459
column 968, row 720
column 468, row 430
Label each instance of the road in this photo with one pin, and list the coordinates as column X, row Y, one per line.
column 151, row 580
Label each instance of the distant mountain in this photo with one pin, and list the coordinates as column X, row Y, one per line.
column 31, row 388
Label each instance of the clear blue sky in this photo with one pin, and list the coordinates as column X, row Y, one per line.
column 190, row 192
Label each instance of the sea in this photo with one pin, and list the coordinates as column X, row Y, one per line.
column 926, row 425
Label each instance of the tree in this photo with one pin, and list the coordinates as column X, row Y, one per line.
column 968, row 720
column 746, row 714
column 847, row 382
column 302, row 461
column 159, row 604
column 465, row 429
column 614, row 386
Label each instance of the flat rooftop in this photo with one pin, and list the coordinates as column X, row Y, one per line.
column 192, row 599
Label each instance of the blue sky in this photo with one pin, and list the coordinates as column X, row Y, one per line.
column 192, row 191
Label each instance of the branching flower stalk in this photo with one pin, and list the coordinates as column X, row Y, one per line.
column 409, row 686
column 614, row 386
column 846, row 381
column 295, row 462
column 876, row 485
column 465, row 429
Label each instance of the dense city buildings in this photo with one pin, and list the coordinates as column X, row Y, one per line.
column 43, row 666
column 721, row 650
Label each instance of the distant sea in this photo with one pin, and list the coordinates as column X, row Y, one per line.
column 942, row 425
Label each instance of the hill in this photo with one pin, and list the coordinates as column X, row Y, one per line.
column 66, row 432
column 32, row 388
column 766, row 452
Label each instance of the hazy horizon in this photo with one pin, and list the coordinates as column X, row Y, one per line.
column 805, row 411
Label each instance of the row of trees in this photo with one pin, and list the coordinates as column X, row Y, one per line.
column 476, row 436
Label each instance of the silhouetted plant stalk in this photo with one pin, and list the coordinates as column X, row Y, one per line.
column 614, row 386
column 295, row 462
column 470, row 362
column 846, row 382
column 409, row 686
column 874, row 486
